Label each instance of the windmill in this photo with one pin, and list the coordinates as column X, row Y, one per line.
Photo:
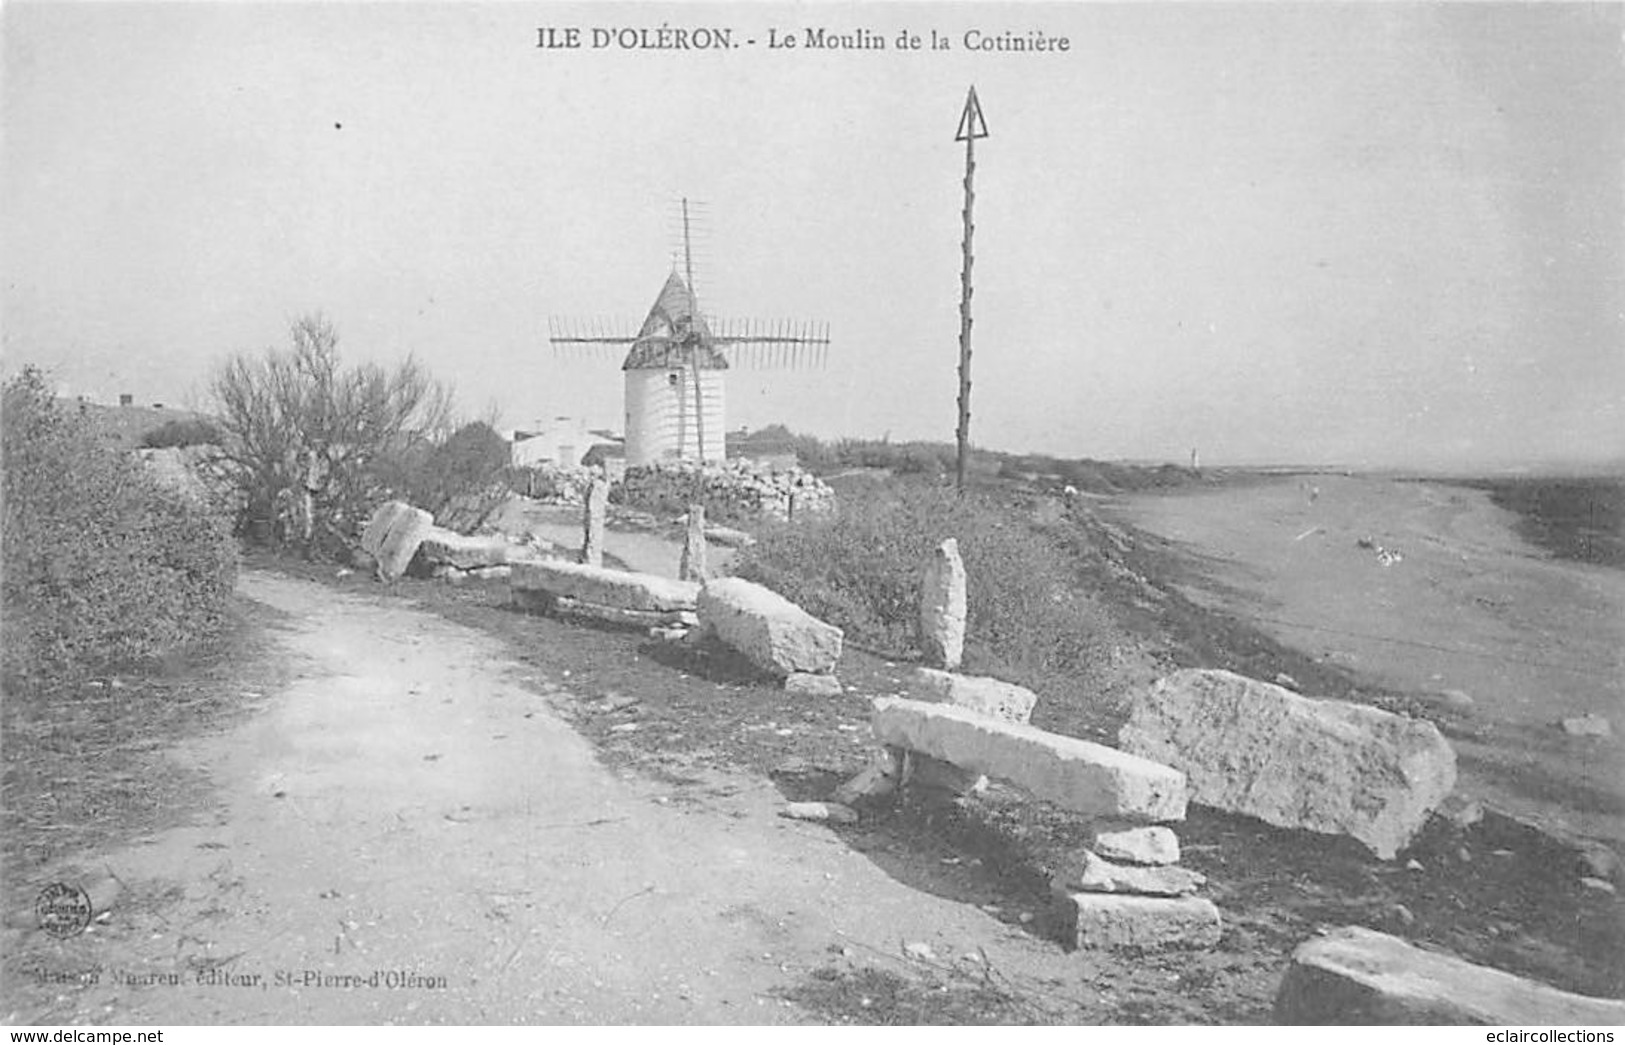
column 675, row 366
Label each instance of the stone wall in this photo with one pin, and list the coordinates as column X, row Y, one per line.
column 738, row 491
column 553, row 483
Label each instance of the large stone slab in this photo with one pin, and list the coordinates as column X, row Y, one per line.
column 617, row 589
column 449, row 548
column 1356, row 975
column 1321, row 765
column 398, row 546
column 378, row 525
column 988, row 696
column 772, row 632
column 1089, row 778
column 1111, row 920
column 640, row 619
column 1092, row 873
column 943, row 607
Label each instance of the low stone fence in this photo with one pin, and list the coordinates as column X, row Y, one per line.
column 555, row 484
column 739, row 491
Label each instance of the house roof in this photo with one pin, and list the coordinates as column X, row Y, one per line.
column 672, row 334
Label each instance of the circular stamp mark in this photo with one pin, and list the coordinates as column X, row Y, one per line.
column 63, row 910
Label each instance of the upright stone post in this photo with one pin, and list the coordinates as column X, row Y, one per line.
column 943, row 607
column 597, row 505
column 693, row 565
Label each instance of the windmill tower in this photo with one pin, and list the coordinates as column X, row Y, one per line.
column 676, row 367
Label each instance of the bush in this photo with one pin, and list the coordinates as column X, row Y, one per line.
column 196, row 432
column 103, row 567
column 314, row 445
column 473, row 458
column 1029, row 622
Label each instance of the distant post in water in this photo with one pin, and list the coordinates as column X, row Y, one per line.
column 971, row 127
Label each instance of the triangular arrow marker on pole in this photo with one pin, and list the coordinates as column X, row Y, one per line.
column 971, row 124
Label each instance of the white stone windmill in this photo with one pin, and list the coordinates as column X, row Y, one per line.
column 676, row 367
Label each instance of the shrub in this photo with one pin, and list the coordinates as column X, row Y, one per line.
column 298, row 422
column 103, row 567
column 473, row 458
column 1029, row 620
column 197, row 432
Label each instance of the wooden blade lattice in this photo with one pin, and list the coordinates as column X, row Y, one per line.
column 750, row 343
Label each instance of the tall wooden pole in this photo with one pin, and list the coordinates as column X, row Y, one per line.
column 694, row 341
column 971, row 127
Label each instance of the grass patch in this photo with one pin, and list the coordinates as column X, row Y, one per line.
column 1031, row 619
column 85, row 761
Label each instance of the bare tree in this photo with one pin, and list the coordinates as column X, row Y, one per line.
column 313, row 444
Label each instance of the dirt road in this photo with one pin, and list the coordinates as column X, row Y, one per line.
column 1467, row 616
column 412, row 807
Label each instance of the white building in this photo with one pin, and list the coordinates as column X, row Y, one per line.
column 561, row 441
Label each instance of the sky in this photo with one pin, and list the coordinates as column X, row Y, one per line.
column 1376, row 235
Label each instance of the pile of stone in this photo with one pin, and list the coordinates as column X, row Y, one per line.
column 1125, row 889
column 621, row 597
column 557, row 483
column 739, row 490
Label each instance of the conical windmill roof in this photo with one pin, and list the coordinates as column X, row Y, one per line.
column 659, row 347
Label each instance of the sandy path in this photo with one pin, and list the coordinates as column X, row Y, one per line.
column 406, row 805
column 1469, row 607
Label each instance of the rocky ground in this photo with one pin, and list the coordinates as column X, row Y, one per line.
column 438, row 810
